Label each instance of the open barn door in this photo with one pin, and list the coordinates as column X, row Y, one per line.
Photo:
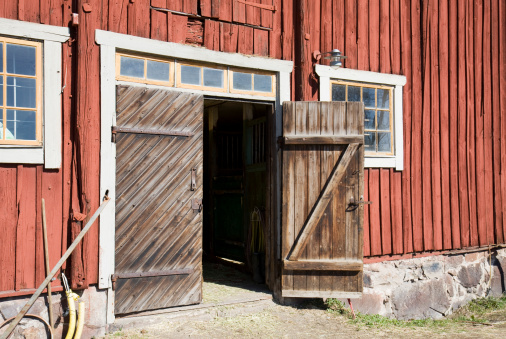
column 322, row 189
column 159, row 157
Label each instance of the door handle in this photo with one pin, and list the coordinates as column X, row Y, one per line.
column 193, row 185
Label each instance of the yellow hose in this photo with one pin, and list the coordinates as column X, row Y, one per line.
column 71, row 297
column 80, row 320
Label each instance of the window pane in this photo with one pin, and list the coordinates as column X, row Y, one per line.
column 21, row 92
column 370, row 119
column 190, row 75
column 131, row 67
column 213, row 77
column 158, row 70
column 1, row 57
column 370, row 141
column 1, row 91
column 369, row 96
column 384, row 120
column 263, row 83
column 20, row 59
column 383, row 98
column 242, row 81
column 338, row 92
column 384, row 144
column 21, row 124
column 353, row 93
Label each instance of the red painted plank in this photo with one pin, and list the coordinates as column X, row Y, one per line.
column 434, row 126
column 138, row 12
column 385, row 210
column 350, row 36
column 367, row 235
column 29, row 10
column 396, row 211
column 239, row 12
column 338, row 25
column 25, row 228
column 260, row 42
column 177, row 27
column 225, row 10
column 487, row 125
column 406, row 56
column 44, row 11
column 205, row 8
column 325, row 27
column 158, row 25
column 211, row 35
column 384, row 38
column 9, row 10
column 275, row 40
column 416, row 137
column 496, row 109
column 190, row 6
column 362, row 34
column 40, row 272
column 244, row 41
column 253, row 14
column 230, row 35
column 395, row 37
column 118, row 13
column 471, row 158
column 56, row 12
column 453, row 125
column 266, row 15
column 8, row 220
column 374, row 224
column 374, row 36
column 502, row 95
column 177, row 5
column 288, row 45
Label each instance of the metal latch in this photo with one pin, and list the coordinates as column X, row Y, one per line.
column 194, row 181
column 353, row 205
column 197, row 204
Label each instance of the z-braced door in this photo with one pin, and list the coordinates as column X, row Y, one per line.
column 158, row 199
column 322, row 211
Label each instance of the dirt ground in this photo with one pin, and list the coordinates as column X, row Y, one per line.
column 310, row 319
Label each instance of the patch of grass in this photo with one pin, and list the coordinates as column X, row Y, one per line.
column 482, row 306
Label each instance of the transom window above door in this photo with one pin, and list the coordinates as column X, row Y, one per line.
column 194, row 75
column 20, row 92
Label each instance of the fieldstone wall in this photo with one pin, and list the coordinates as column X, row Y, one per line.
column 95, row 317
column 432, row 286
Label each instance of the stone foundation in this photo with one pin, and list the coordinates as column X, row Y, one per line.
column 95, row 317
column 430, row 287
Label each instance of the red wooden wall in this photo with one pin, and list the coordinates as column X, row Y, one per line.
column 452, row 192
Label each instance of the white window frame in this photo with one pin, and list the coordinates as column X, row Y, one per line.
column 326, row 74
column 51, row 38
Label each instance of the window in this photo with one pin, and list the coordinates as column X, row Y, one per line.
column 213, row 78
column 20, row 92
column 252, row 83
column 378, row 128
column 145, row 70
column 382, row 97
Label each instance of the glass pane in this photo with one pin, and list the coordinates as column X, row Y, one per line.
column 21, row 92
column 1, row 57
column 20, row 59
column 338, row 92
column 384, row 144
column 213, row 77
column 190, row 75
column 242, row 81
column 158, row 70
column 369, row 96
column 383, row 98
column 370, row 141
column 384, row 120
column 1, row 91
column 21, row 124
column 369, row 119
column 263, row 83
column 131, row 67
column 353, row 93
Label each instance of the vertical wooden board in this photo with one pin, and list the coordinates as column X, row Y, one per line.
column 471, row 142
column 190, row 6
column 374, row 36
column 8, row 218
column 416, row 130
column 461, row 126
column 55, row 13
column 118, row 16
column 238, row 12
column 435, row 127
column 487, row 112
column 496, row 122
column 453, row 124
column 367, row 235
column 44, row 11
column 230, row 37
column 350, row 26
column 253, row 14
column 205, row 8
column 266, row 15
column 374, row 212
column 301, row 187
column 177, row 27
column 138, row 12
column 158, row 25
column 384, row 37
column 287, row 33
column 260, row 42
column 177, row 5
column 275, row 36
column 211, row 35
column 406, row 56
column 9, row 9
column 288, row 193
column 386, row 227
column 39, row 245
column 396, row 206
column 502, row 95
column 26, row 227
column 363, row 35
column 351, row 217
column 225, row 10
column 338, row 25
column 395, row 36
column 29, row 11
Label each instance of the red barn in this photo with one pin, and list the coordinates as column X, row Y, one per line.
column 195, row 114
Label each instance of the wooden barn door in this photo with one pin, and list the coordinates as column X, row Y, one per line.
column 322, row 207
column 159, row 142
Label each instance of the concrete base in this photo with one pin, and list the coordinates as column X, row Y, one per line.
column 430, row 287
column 95, row 317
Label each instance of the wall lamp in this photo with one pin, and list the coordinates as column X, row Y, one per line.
column 335, row 57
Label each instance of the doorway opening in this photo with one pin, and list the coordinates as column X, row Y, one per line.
column 235, row 176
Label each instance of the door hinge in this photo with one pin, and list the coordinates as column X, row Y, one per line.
column 197, row 204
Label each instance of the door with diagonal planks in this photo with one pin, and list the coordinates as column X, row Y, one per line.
column 322, row 204
column 159, row 143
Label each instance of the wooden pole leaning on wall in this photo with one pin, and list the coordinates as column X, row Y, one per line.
column 46, row 260
column 50, row 276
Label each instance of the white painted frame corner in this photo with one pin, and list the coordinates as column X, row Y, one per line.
column 326, row 74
